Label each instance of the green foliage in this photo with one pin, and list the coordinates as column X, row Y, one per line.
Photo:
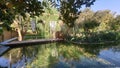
column 90, row 24
column 100, row 26
column 104, row 37
column 43, row 21
column 6, row 16
column 48, row 7
column 88, row 18
column 115, row 24
column 8, row 10
column 33, row 7
column 104, row 17
column 99, row 37
column 86, row 14
column 21, row 22
column 70, row 8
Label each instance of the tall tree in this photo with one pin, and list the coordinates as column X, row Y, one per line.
column 70, row 8
column 50, row 15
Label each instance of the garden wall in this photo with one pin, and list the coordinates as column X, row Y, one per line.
column 7, row 35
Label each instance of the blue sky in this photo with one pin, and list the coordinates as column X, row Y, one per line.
column 113, row 5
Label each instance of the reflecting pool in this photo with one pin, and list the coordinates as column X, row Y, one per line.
column 62, row 55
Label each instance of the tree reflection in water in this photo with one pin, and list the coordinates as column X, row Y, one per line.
column 19, row 56
column 59, row 54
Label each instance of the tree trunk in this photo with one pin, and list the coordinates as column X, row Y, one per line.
column 20, row 38
column 15, row 25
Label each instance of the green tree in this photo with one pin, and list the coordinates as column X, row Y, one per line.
column 115, row 23
column 87, row 21
column 70, row 8
column 104, row 17
column 9, row 9
column 50, row 14
column 85, row 15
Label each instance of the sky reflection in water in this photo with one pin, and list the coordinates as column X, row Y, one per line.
column 57, row 55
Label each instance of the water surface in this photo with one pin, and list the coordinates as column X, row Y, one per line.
column 63, row 55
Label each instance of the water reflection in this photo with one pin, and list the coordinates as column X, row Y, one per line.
column 18, row 57
column 4, row 62
column 62, row 55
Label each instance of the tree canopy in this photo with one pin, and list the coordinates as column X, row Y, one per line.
column 70, row 8
column 9, row 8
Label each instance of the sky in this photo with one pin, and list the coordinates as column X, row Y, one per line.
column 113, row 5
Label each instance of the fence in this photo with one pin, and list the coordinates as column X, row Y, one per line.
column 7, row 35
